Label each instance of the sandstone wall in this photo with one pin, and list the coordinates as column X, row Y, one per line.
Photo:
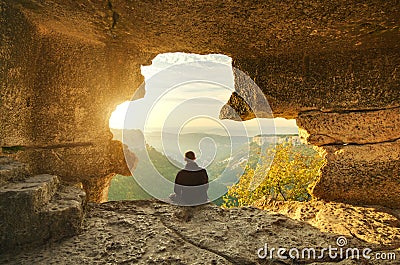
column 347, row 103
column 58, row 91
column 66, row 64
column 18, row 54
column 357, row 79
column 362, row 152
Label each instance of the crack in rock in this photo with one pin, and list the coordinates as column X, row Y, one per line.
column 338, row 143
column 233, row 260
column 115, row 15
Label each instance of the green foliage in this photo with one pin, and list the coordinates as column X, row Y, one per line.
column 286, row 177
column 282, row 172
column 163, row 165
column 126, row 188
column 12, row 149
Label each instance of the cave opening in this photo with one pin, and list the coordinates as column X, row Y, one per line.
column 192, row 115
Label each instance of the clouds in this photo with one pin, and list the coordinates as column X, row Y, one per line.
column 181, row 88
column 165, row 60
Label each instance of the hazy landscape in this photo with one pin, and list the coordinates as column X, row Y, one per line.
column 224, row 157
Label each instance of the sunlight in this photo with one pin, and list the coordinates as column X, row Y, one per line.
column 169, row 110
column 155, row 122
column 180, row 111
column 117, row 118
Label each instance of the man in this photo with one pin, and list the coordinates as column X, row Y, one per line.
column 191, row 183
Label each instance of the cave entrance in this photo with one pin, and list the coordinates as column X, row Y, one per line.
column 237, row 155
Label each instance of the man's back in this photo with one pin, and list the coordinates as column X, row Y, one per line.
column 191, row 178
column 191, row 186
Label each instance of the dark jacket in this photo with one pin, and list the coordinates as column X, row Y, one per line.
column 191, row 184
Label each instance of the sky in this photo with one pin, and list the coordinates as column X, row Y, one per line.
column 184, row 94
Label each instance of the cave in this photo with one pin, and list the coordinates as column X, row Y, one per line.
column 332, row 66
column 182, row 106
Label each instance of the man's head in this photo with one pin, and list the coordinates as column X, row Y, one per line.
column 189, row 155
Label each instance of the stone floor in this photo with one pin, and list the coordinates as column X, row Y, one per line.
column 152, row 232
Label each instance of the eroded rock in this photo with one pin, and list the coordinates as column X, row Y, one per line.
column 361, row 174
column 91, row 164
column 150, row 232
column 362, row 151
column 38, row 210
column 352, row 127
column 65, row 66
column 373, row 224
column 11, row 170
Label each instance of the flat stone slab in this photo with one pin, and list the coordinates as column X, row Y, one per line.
column 38, row 210
column 28, row 195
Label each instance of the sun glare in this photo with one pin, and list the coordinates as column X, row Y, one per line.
column 172, row 106
column 117, row 119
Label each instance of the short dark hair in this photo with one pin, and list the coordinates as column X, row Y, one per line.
column 190, row 155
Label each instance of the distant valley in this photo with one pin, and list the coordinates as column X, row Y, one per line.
column 224, row 158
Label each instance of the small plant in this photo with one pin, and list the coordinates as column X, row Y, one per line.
column 287, row 177
column 12, row 149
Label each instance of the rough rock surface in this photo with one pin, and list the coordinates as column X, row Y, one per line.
column 149, row 232
column 373, row 224
column 38, row 210
column 67, row 160
column 11, row 170
column 361, row 174
column 362, row 151
column 65, row 65
column 351, row 127
column 59, row 88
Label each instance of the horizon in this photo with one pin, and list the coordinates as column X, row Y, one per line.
column 206, row 133
column 190, row 106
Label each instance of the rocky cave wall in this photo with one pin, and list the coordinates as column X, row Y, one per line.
column 58, row 90
column 348, row 104
column 333, row 66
